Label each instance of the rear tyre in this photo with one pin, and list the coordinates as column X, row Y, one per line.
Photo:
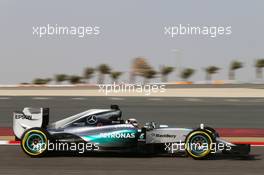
column 199, row 144
column 34, row 142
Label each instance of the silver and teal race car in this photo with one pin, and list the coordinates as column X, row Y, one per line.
column 104, row 131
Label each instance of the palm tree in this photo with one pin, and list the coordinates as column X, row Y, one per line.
column 149, row 74
column 187, row 73
column 259, row 66
column 103, row 70
column 233, row 67
column 115, row 76
column 40, row 81
column 165, row 71
column 139, row 66
column 88, row 73
column 210, row 70
column 75, row 79
column 60, row 78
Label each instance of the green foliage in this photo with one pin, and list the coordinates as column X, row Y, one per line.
column 259, row 66
column 149, row 73
column 104, row 69
column 211, row 69
column 88, row 72
column 40, row 81
column 187, row 73
column 236, row 65
column 75, row 79
column 60, row 78
column 259, row 63
column 115, row 75
column 166, row 70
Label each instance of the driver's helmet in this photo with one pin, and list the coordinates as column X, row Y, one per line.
column 132, row 121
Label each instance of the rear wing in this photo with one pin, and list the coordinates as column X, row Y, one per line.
column 29, row 118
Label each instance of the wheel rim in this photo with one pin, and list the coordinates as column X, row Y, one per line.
column 35, row 142
column 199, row 144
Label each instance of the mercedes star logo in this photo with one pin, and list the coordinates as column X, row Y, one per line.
column 92, row 119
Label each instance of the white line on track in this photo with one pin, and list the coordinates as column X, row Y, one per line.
column 257, row 100
column 192, row 99
column 155, row 99
column 41, row 98
column 116, row 98
column 78, row 98
column 4, row 98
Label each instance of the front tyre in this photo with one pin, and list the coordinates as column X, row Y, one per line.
column 212, row 131
column 34, row 142
column 199, row 144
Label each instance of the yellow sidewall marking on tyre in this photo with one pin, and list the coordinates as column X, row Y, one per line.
column 25, row 138
column 204, row 153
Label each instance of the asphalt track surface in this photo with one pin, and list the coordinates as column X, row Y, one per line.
column 181, row 112
column 14, row 161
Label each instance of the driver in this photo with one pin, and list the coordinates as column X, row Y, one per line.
column 132, row 121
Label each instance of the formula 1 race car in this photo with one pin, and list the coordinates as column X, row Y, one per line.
column 104, row 131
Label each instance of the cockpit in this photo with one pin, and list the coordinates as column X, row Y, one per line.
column 92, row 117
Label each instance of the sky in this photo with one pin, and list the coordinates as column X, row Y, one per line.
column 128, row 29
